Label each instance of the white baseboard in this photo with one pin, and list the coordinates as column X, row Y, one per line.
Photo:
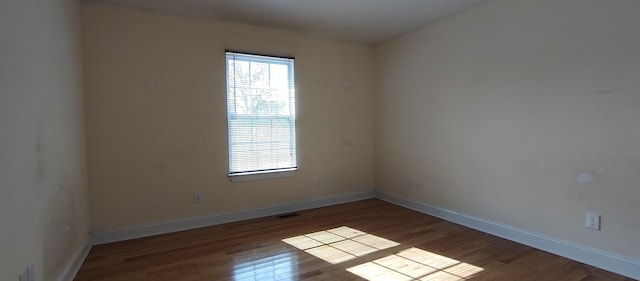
column 619, row 264
column 98, row 238
column 70, row 271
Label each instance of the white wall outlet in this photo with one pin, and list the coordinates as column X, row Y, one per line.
column 593, row 221
column 412, row 183
column 319, row 183
column 197, row 197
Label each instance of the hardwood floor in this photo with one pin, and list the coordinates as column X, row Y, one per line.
column 365, row 240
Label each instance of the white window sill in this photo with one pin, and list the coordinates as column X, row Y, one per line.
column 263, row 175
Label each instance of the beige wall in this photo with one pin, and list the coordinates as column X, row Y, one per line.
column 156, row 114
column 525, row 113
column 43, row 191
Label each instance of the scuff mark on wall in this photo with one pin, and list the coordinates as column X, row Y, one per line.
column 40, row 158
column 584, row 184
column 318, row 84
column 617, row 176
column 594, row 92
column 585, row 177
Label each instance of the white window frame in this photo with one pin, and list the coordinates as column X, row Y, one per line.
column 232, row 114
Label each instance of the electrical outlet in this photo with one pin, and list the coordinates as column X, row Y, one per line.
column 593, row 221
column 319, row 183
column 197, row 197
column 412, row 183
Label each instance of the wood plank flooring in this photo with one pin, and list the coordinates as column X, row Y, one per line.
column 364, row 240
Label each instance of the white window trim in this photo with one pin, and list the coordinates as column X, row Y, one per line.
column 249, row 176
column 266, row 174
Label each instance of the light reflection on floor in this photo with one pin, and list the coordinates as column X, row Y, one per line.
column 342, row 244
column 278, row 267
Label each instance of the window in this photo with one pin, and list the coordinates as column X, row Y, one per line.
column 261, row 116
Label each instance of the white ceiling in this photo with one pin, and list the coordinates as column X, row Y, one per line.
column 365, row 21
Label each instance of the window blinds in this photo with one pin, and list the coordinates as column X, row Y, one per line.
column 260, row 113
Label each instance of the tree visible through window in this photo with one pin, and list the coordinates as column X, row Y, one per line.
column 261, row 114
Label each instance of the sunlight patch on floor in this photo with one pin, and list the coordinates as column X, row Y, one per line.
column 340, row 244
column 415, row 264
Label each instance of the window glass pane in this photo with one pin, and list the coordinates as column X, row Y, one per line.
column 261, row 113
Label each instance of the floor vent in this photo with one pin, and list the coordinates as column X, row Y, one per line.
column 286, row 216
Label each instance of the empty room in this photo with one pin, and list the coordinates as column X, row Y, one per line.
column 243, row 140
